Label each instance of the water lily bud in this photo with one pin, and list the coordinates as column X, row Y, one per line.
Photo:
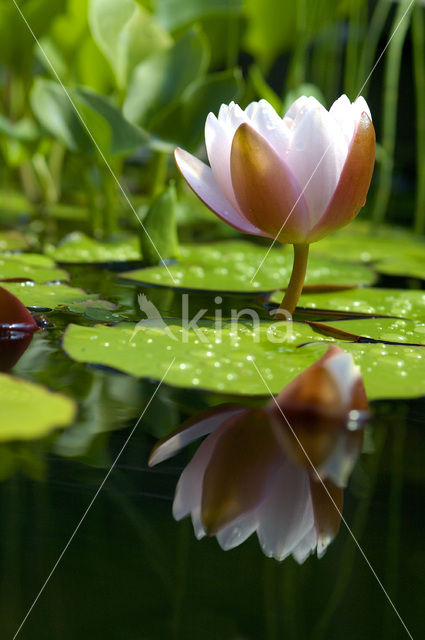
column 277, row 470
column 295, row 178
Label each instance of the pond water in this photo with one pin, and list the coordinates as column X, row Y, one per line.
column 132, row 571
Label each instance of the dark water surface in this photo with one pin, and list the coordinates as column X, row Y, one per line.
column 132, row 572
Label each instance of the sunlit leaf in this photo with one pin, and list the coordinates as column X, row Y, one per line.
column 47, row 296
column 231, row 265
column 167, row 74
column 30, row 266
column 77, row 247
column 126, row 34
column 30, row 410
column 224, row 363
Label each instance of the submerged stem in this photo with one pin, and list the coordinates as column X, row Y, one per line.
column 296, row 282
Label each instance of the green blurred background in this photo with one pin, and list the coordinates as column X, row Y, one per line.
column 144, row 75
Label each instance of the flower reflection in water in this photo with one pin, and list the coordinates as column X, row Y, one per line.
column 278, row 470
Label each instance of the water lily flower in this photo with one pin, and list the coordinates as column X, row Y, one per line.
column 278, row 470
column 294, row 179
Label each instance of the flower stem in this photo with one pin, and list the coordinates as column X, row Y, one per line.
column 296, row 282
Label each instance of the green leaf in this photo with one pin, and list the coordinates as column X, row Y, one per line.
column 113, row 134
column 391, row 302
column 183, row 122
column 212, row 360
column 411, row 263
column 126, row 34
column 30, row 410
column 30, row 266
column 222, row 360
column 47, row 296
column 174, row 14
column 25, row 130
column 166, row 74
column 385, row 329
column 230, row 266
column 158, row 238
column 77, row 247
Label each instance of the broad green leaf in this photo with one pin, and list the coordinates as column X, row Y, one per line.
column 391, row 302
column 12, row 241
column 30, row 266
column 158, row 237
column 174, row 14
column 159, row 81
column 30, row 411
column 113, row 134
column 47, row 296
column 77, row 247
column 386, row 329
column 223, row 362
column 411, row 263
column 126, row 34
column 230, row 266
column 55, row 112
column 356, row 242
column 184, row 122
column 124, row 137
column 214, row 360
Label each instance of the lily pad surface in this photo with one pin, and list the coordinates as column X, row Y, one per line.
column 231, row 265
column 401, row 303
column 224, row 361
column 47, row 296
column 79, row 248
column 359, row 243
column 30, row 266
column 385, row 329
column 31, row 410
column 411, row 264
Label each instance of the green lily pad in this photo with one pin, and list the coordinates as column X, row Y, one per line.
column 12, row 241
column 77, row 247
column 386, row 329
column 30, row 266
column 225, row 364
column 230, row 266
column 357, row 243
column 218, row 361
column 410, row 264
column 47, row 296
column 31, row 410
column 391, row 302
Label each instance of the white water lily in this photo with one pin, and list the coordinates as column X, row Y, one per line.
column 251, row 474
column 295, row 178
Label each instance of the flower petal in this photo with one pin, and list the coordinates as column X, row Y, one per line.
column 350, row 193
column 327, row 505
column 238, row 474
column 194, row 428
column 286, row 514
column 238, row 531
column 316, row 155
column 201, row 180
column 265, row 188
column 189, row 487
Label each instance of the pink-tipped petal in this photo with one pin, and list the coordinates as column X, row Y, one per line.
column 266, row 189
column 201, row 180
column 316, row 156
column 350, row 193
column 190, row 430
